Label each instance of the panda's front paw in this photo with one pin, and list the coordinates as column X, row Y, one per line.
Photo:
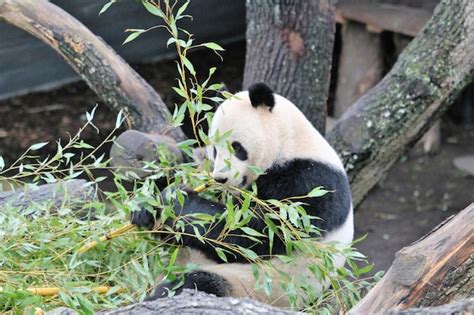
column 164, row 290
column 143, row 219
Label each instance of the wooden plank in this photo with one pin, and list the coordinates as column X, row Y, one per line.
column 383, row 16
column 360, row 65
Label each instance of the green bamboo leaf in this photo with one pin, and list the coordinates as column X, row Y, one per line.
column 189, row 65
column 221, row 254
column 152, row 9
column 106, row 6
column 213, row 46
column 132, row 36
column 37, row 146
column 182, row 9
column 251, row 232
column 318, row 192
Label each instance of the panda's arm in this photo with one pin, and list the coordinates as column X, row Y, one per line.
column 210, row 232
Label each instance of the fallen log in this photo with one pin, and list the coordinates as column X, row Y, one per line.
column 75, row 192
column 435, row 270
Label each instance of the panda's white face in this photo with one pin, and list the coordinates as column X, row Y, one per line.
column 250, row 142
column 265, row 129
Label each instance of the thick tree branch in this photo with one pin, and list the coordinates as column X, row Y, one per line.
column 381, row 126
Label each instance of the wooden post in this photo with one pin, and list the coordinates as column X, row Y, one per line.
column 360, row 65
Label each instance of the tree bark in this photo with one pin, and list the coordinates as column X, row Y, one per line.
column 435, row 270
column 74, row 191
column 289, row 47
column 192, row 302
column 111, row 78
column 387, row 121
column 463, row 307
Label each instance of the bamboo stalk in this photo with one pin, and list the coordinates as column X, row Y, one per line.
column 50, row 291
column 106, row 237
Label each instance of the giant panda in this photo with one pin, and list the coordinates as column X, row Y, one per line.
column 269, row 132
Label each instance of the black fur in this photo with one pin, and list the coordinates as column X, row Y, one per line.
column 261, row 94
column 294, row 178
column 240, row 151
column 200, row 280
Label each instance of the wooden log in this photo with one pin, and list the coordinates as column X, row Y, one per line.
column 382, row 16
column 289, row 46
column 463, row 307
column 192, row 302
column 132, row 148
column 435, row 270
column 75, row 191
column 430, row 143
column 387, row 121
column 360, row 65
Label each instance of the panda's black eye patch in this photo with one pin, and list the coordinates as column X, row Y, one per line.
column 214, row 151
column 239, row 151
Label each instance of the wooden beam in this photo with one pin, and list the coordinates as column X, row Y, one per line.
column 378, row 17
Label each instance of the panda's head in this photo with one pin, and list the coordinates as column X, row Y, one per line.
column 244, row 133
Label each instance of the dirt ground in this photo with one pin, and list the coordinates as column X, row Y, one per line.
column 416, row 195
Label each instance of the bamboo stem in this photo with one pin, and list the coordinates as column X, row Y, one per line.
column 50, row 291
column 106, row 237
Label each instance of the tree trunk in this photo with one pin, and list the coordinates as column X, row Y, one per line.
column 111, row 78
column 74, row 191
column 435, row 270
column 289, row 47
column 360, row 65
column 387, row 121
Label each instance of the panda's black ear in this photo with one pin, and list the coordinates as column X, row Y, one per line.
column 261, row 94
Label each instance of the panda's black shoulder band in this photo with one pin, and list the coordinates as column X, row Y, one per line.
column 261, row 94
